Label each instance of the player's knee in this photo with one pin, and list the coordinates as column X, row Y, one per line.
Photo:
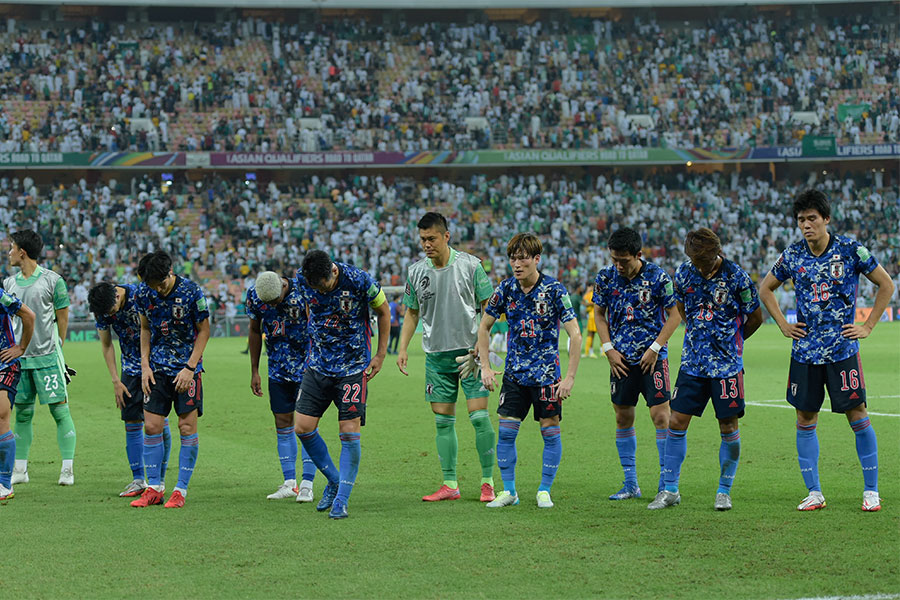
column 283, row 420
column 24, row 413
column 187, row 427
column 679, row 421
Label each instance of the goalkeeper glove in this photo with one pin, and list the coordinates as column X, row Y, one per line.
column 467, row 364
column 69, row 373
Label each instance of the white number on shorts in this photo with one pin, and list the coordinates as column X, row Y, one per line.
column 51, row 382
column 351, row 389
column 731, row 391
column 854, row 380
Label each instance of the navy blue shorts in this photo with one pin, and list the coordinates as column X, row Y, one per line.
column 9, row 379
column 844, row 381
column 516, row 400
column 283, row 396
column 134, row 406
column 692, row 393
column 654, row 386
column 348, row 394
column 163, row 396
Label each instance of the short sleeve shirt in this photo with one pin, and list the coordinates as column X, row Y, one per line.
column 126, row 324
column 9, row 306
column 285, row 327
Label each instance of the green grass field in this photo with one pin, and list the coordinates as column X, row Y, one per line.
column 229, row 541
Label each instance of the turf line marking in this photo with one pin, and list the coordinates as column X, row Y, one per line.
column 865, row 597
column 875, row 414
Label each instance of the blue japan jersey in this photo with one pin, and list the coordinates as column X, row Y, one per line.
column 173, row 323
column 287, row 339
column 715, row 310
column 126, row 324
column 339, row 331
column 533, row 340
column 825, row 287
column 635, row 309
column 9, row 306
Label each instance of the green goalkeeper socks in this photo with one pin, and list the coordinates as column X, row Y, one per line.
column 24, row 430
column 447, row 447
column 65, row 430
column 485, row 441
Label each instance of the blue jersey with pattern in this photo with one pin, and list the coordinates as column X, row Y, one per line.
column 287, row 338
column 715, row 310
column 825, row 287
column 126, row 324
column 9, row 306
column 533, row 339
column 635, row 308
column 174, row 321
column 339, row 331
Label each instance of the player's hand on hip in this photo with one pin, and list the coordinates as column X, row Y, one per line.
column 147, row 380
column 402, row 359
column 852, row 331
column 12, row 353
column 795, row 331
column 183, row 380
column 617, row 363
column 256, row 384
column 121, row 391
column 563, row 389
column 374, row 366
column 648, row 360
column 488, row 379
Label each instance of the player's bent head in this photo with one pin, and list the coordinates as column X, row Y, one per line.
column 316, row 268
column 812, row 200
column 702, row 246
column 102, row 298
column 524, row 245
column 625, row 241
column 29, row 242
column 433, row 220
column 155, row 267
column 269, row 286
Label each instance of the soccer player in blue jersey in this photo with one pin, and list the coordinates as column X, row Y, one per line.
column 534, row 304
column 720, row 308
column 276, row 308
column 339, row 297
column 10, row 351
column 114, row 309
column 825, row 269
column 635, row 316
column 174, row 333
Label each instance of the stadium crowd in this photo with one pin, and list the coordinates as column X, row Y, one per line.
column 250, row 85
column 222, row 231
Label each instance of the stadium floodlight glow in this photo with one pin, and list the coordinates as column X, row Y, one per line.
column 268, row 286
column 690, row 163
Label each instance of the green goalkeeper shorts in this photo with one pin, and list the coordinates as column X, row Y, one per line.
column 47, row 384
column 442, row 379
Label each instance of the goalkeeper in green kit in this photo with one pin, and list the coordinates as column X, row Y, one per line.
column 446, row 289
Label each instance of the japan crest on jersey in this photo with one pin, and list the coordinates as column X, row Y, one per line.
column 293, row 313
column 721, row 294
column 178, row 309
column 836, row 267
column 644, row 293
column 540, row 305
column 346, row 301
column 793, row 389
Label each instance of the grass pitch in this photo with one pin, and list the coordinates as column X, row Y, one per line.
column 229, row 541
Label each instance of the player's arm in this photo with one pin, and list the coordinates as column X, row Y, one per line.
column 147, row 378
column 767, row 288
column 254, row 343
column 410, row 322
column 488, row 377
column 27, row 316
column 62, row 323
column 383, row 315
column 564, row 387
column 879, row 277
column 186, row 375
column 109, row 355
column 752, row 322
column 673, row 319
column 616, row 361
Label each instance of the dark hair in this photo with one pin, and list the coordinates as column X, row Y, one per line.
column 625, row 240
column 812, row 200
column 155, row 266
column 702, row 243
column 316, row 267
column 526, row 243
column 433, row 219
column 30, row 242
column 102, row 298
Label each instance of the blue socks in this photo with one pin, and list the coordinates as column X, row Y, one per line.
column 661, row 435
column 867, row 450
column 318, row 451
column 552, row 456
column 187, row 458
column 808, row 456
column 626, row 444
column 676, row 449
column 287, row 452
column 134, row 448
column 153, row 458
column 729, row 456
column 167, row 448
column 350, row 454
column 309, row 467
column 7, row 458
column 506, row 453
